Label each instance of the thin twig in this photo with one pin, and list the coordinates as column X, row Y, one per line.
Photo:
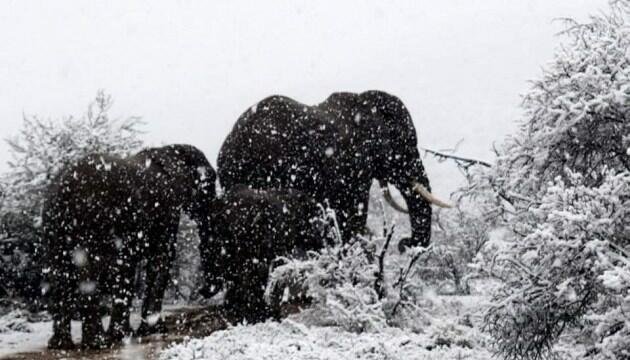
column 403, row 277
column 380, row 276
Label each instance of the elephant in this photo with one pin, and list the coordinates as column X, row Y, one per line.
column 104, row 214
column 333, row 151
column 250, row 228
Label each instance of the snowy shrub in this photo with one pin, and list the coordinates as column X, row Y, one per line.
column 566, row 267
column 38, row 152
column 462, row 234
column 577, row 114
column 360, row 286
column 458, row 238
column 563, row 185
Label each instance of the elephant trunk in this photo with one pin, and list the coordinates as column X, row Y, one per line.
column 420, row 212
column 419, row 200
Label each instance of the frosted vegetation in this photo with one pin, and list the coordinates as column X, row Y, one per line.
column 534, row 261
column 561, row 186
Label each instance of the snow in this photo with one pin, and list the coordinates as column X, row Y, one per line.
column 288, row 340
column 448, row 337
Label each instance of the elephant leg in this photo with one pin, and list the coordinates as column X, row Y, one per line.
column 160, row 259
column 93, row 334
column 61, row 339
column 62, row 282
column 245, row 300
column 122, row 292
column 212, row 265
column 61, row 308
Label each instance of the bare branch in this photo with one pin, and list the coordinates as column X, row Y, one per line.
column 458, row 159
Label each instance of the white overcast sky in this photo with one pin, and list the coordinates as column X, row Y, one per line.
column 190, row 68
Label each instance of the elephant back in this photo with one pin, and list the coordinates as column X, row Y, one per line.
column 90, row 195
column 265, row 223
column 280, row 143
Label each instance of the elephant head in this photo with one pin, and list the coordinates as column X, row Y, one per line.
column 388, row 131
column 190, row 180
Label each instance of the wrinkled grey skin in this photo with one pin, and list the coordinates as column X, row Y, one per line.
column 332, row 152
column 101, row 217
column 250, row 229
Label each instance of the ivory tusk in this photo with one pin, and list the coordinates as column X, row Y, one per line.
column 417, row 187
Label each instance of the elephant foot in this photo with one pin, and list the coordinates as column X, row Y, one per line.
column 404, row 244
column 251, row 314
column 94, row 337
column 116, row 336
column 146, row 329
column 211, row 289
column 96, row 343
column 61, row 342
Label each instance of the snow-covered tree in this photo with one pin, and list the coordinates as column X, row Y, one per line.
column 563, row 185
column 43, row 146
column 40, row 149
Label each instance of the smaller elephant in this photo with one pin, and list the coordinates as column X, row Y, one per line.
column 249, row 229
column 102, row 216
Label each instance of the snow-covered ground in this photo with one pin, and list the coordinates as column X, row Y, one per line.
column 291, row 340
column 452, row 333
column 17, row 335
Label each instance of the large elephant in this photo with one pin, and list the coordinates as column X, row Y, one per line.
column 250, row 229
column 332, row 151
column 103, row 215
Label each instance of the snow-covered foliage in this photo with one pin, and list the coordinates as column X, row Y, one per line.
column 40, row 149
column 577, row 114
column 562, row 186
column 459, row 236
column 361, row 286
column 571, row 262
